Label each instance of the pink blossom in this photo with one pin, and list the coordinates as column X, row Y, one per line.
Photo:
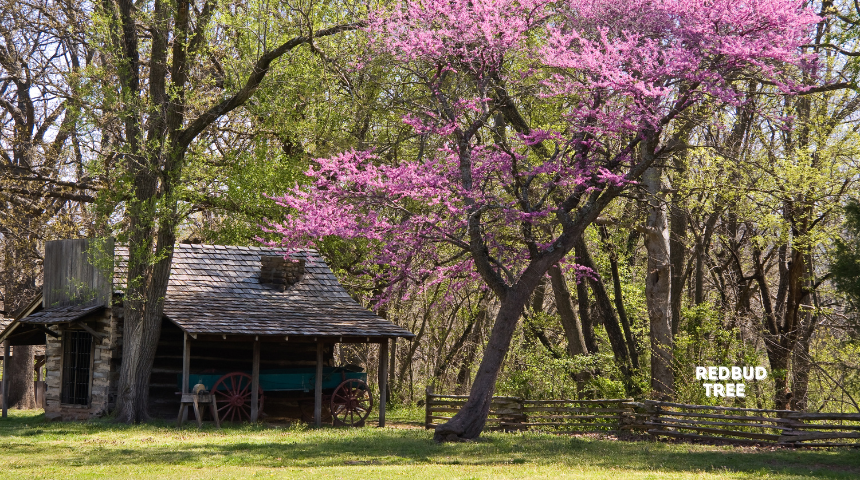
column 614, row 70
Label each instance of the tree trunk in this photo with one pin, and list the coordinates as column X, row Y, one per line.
column 391, row 370
column 781, row 317
column 801, row 364
column 22, row 394
column 778, row 357
column 470, row 420
column 569, row 321
column 658, row 293
column 142, row 327
column 676, row 258
column 19, row 287
column 584, row 306
column 604, row 306
column 619, row 301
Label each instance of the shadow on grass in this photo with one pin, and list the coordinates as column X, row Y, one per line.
column 159, row 444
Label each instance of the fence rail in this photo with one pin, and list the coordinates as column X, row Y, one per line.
column 560, row 416
column 660, row 419
column 749, row 425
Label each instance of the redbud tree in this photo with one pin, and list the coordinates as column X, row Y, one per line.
column 532, row 117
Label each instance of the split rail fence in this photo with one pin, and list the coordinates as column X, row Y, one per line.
column 659, row 419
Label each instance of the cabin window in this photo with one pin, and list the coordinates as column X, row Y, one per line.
column 77, row 354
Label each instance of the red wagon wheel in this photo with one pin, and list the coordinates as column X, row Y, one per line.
column 351, row 402
column 233, row 394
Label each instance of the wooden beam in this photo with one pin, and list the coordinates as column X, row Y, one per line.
column 5, row 377
column 9, row 331
column 186, row 373
column 383, row 380
column 48, row 331
column 186, row 363
column 318, row 387
column 392, row 367
column 255, row 382
column 91, row 331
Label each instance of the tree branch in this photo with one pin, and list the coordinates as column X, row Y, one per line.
column 260, row 69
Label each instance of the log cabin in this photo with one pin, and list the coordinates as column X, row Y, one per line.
column 227, row 309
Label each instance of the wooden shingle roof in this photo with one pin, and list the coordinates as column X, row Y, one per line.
column 216, row 289
column 68, row 313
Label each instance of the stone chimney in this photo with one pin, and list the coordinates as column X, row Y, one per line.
column 279, row 272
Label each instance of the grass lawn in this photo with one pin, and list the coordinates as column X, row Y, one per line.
column 33, row 448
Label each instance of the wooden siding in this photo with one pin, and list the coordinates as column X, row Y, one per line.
column 77, row 272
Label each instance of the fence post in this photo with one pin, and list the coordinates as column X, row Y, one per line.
column 510, row 411
column 523, row 417
column 625, row 417
column 653, row 409
column 519, row 418
column 427, row 398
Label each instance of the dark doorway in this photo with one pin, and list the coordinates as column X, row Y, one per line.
column 77, row 353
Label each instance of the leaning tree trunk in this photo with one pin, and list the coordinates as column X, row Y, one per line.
column 658, row 284
column 22, row 394
column 470, row 420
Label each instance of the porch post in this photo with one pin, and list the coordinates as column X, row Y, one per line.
column 318, row 387
column 186, row 370
column 392, row 363
column 5, row 377
column 383, row 380
column 255, row 382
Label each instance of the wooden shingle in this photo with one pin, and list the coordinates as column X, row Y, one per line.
column 217, row 290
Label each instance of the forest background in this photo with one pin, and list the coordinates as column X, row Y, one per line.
column 160, row 121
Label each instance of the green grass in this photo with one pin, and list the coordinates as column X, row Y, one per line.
column 33, row 448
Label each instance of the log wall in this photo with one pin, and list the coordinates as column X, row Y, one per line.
column 214, row 355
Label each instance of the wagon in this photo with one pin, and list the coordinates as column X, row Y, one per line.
column 344, row 388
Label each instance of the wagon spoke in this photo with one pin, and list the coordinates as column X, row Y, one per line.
column 234, row 392
column 246, row 389
column 351, row 403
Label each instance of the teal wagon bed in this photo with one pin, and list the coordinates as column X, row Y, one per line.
column 344, row 390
